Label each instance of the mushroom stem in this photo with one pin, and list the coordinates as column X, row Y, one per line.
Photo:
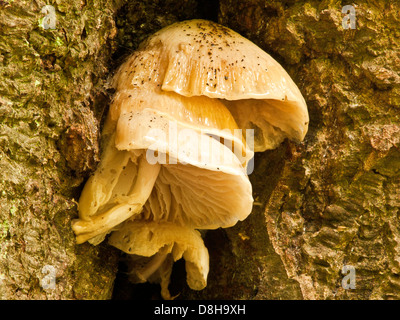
column 98, row 189
column 131, row 205
column 152, row 266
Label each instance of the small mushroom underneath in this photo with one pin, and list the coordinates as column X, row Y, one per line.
column 165, row 243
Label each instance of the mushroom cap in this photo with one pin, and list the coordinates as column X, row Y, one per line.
column 182, row 194
column 203, row 179
column 144, row 238
column 117, row 190
column 179, row 126
column 200, row 57
column 203, row 58
column 207, row 191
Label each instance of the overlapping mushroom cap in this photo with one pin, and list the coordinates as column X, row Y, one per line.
column 201, row 183
column 203, row 58
column 153, row 118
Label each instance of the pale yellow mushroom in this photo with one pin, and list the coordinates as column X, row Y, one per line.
column 173, row 161
column 155, row 186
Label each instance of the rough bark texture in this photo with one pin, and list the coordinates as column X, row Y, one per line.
column 330, row 201
column 50, row 80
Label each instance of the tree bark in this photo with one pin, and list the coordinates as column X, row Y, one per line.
column 329, row 202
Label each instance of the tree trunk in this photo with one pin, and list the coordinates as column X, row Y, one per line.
column 327, row 205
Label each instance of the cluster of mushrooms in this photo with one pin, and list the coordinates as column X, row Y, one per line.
column 155, row 187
